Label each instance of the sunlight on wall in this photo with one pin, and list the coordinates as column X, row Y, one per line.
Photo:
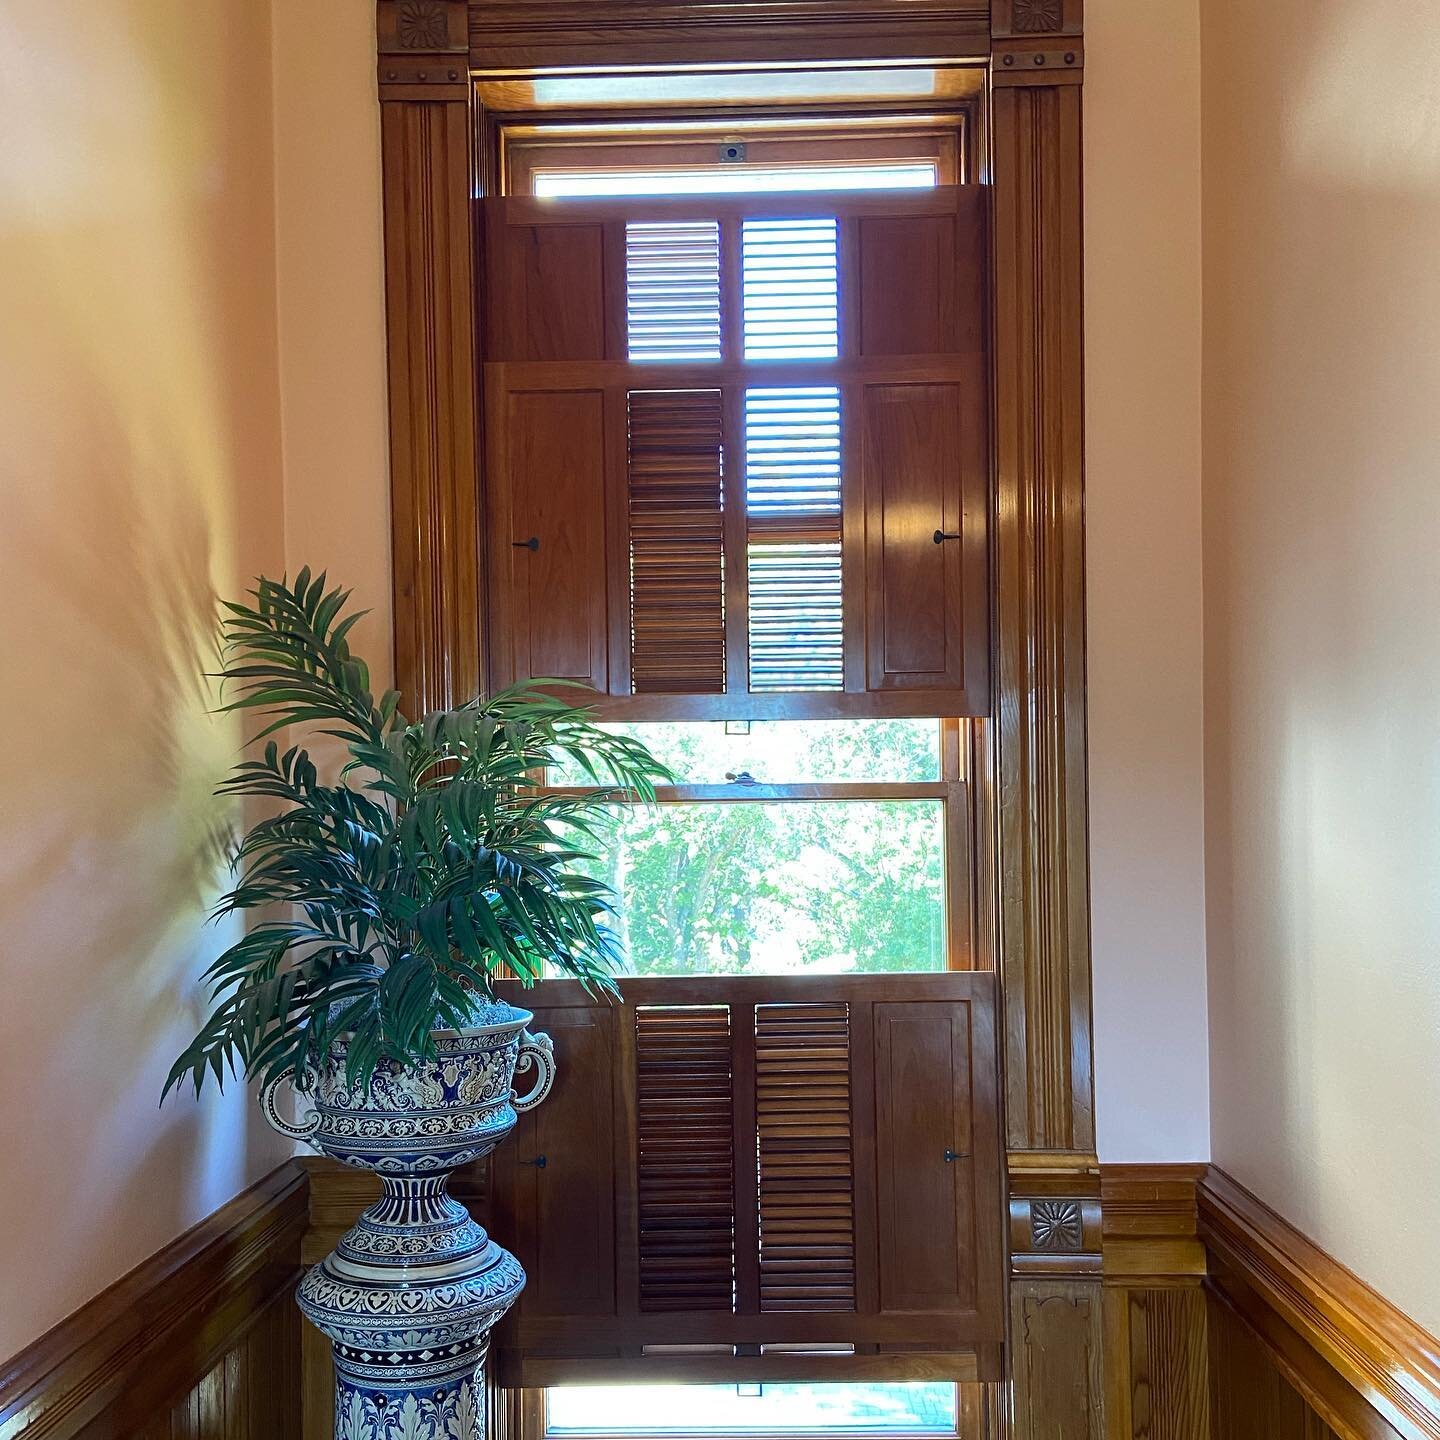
column 1332, row 126
column 142, row 473
column 1322, row 514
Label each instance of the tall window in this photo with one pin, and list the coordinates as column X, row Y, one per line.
column 777, row 434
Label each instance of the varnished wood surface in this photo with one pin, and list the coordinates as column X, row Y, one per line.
column 1322, row 1323
column 1157, row 1368
column 199, row 1343
column 1040, row 614
column 505, row 34
column 429, row 297
column 1251, row 1398
column 653, row 1125
column 1261, row 1336
column 1151, row 1223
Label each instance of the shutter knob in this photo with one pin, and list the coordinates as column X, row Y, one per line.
column 539, row 1162
column 951, row 1156
column 942, row 536
column 533, row 543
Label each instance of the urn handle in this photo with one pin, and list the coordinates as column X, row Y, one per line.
column 277, row 1121
column 537, row 1052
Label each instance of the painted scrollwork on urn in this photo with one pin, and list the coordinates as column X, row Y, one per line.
column 409, row 1296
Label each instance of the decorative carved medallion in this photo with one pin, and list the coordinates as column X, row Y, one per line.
column 422, row 25
column 1033, row 16
column 1056, row 1225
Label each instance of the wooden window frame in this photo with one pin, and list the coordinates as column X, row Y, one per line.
column 526, row 151
column 1029, row 59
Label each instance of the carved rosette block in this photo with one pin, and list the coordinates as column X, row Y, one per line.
column 410, row 1294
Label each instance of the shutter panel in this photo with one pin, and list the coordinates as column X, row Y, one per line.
column 546, row 285
column 555, row 1177
column 685, row 1160
column 766, row 1140
column 755, row 535
column 550, row 453
column 926, row 603
column 672, row 290
column 806, row 1170
column 677, row 559
column 794, row 517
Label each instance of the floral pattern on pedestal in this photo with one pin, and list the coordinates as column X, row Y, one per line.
column 410, row 1294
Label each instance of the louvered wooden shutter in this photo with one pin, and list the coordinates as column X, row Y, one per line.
column 737, row 454
column 778, row 1178
column 677, row 546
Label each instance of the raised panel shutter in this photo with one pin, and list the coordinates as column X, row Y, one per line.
column 775, row 500
column 805, row 1180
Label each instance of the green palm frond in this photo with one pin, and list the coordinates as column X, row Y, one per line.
column 430, row 867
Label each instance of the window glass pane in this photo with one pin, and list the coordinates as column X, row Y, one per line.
column 900, row 1407
column 786, row 752
column 789, row 887
column 738, row 179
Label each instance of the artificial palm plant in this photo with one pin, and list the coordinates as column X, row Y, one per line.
column 431, row 866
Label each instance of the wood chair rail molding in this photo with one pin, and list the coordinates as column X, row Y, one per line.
column 198, row 1343
column 1365, row 1367
column 1224, row 1322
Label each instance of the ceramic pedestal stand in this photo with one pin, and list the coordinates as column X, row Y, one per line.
column 410, row 1294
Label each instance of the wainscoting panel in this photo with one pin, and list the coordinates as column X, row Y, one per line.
column 1250, row 1399
column 1157, row 1363
column 1223, row 1322
column 201, row 1342
column 252, row 1392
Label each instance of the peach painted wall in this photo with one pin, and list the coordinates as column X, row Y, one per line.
column 1322, row 578
column 332, row 305
column 1142, row 336
column 141, row 473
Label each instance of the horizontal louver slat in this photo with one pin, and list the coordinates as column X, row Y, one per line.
column 806, row 1167
column 672, row 290
column 677, row 568
column 790, row 289
column 793, row 512
column 685, row 1135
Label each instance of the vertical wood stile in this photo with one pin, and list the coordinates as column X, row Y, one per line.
column 429, row 291
column 1044, row 921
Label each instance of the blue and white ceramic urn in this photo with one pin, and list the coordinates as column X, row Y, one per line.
column 410, row 1294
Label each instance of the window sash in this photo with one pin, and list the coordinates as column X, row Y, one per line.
column 627, row 148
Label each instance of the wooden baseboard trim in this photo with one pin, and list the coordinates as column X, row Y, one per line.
column 1319, row 1321
column 138, row 1348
